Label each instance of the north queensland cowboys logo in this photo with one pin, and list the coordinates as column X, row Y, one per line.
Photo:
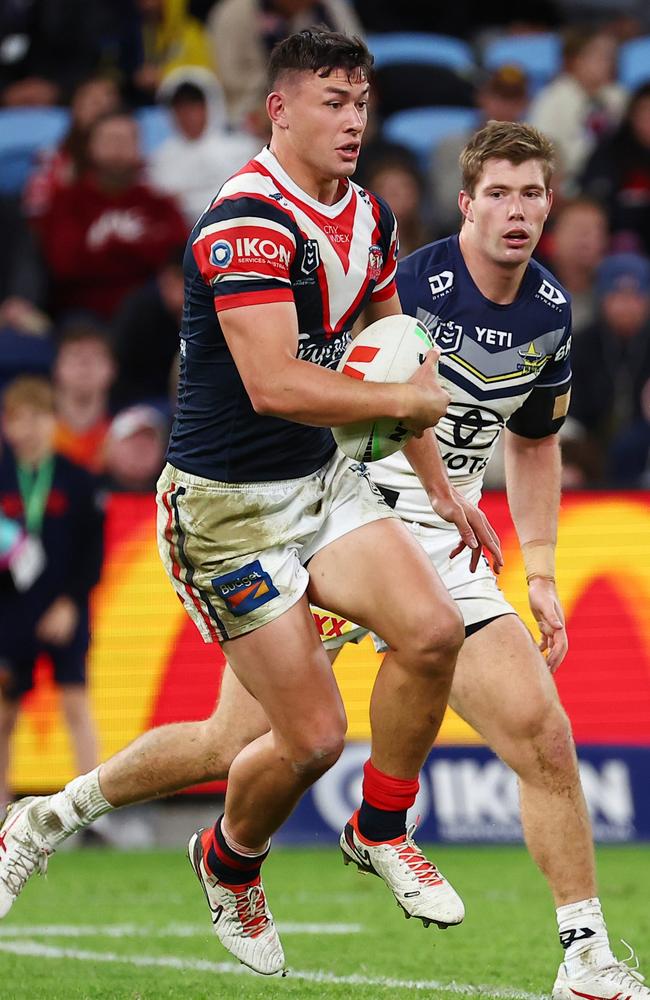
column 439, row 283
column 221, row 253
column 447, row 337
column 552, row 294
column 310, row 257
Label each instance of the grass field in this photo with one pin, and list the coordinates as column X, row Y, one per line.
column 134, row 926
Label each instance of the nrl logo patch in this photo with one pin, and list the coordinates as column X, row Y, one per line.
column 447, row 337
column 310, row 257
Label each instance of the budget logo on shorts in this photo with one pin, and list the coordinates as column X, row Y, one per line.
column 245, row 589
column 221, row 253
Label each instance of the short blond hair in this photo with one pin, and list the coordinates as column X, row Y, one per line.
column 28, row 390
column 512, row 141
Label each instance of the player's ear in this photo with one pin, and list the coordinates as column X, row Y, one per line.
column 276, row 109
column 549, row 200
column 465, row 205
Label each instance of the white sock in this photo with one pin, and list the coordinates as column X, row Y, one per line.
column 79, row 804
column 584, row 937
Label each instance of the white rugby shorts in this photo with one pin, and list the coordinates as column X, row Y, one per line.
column 477, row 594
column 236, row 553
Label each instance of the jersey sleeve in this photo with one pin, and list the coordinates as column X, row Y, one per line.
column 386, row 286
column 244, row 250
column 544, row 410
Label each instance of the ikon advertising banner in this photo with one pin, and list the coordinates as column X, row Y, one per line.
column 148, row 666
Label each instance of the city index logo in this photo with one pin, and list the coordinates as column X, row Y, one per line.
column 245, row 589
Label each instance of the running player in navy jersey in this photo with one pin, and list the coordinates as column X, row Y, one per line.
column 277, row 270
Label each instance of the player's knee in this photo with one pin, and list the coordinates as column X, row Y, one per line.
column 546, row 730
column 435, row 643
column 319, row 747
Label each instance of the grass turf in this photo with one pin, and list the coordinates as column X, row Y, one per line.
column 506, row 946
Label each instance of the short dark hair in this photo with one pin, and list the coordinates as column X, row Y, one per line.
column 187, row 93
column 516, row 142
column 320, row 51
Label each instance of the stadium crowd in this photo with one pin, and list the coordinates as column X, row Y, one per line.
column 118, row 121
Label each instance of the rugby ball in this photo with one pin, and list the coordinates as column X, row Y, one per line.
column 390, row 350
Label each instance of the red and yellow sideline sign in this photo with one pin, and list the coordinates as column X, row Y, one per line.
column 148, row 666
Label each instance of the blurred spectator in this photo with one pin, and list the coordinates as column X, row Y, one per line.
column 46, row 47
column 578, row 242
column 583, row 103
column 193, row 164
column 84, row 371
column 618, row 175
column 243, row 33
column 166, row 37
column 22, row 274
column 56, row 502
column 611, row 363
column 503, row 97
column 629, row 456
column 108, row 232
column 91, row 100
column 146, row 336
column 396, row 178
column 135, row 449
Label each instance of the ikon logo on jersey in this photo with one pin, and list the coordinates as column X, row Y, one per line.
column 266, row 250
column 439, row 283
column 221, row 253
column 245, row 589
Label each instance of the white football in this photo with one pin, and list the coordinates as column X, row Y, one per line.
column 390, row 350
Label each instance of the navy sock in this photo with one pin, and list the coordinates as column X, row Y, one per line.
column 227, row 865
column 380, row 824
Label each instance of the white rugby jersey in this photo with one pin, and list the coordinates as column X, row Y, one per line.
column 503, row 365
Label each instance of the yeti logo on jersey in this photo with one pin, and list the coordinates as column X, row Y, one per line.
column 440, row 283
column 221, row 253
column 447, row 337
column 310, row 257
column 532, row 360
column 551, row 294
column 375, row 262
column 245, row 589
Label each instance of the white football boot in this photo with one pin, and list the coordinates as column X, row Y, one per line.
column 419, row 888
column 241, row 919
column 23, row 851
column 620, row 981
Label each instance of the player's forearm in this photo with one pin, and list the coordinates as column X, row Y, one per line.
column 308, row 394
column 533, row 473
column 424, row 457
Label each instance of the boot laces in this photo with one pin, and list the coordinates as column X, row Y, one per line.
column 623, row 971
column 25, row 856
column 251, row 910
column 410, row 854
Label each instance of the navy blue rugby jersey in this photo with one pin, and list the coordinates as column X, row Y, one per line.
column 265, row 240
column 503, row 365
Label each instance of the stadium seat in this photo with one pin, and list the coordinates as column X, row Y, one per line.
column 155, row 127
column 421, row 129
column 422, row 48
column 634, row 62
column 24, row 133
column 539, row 55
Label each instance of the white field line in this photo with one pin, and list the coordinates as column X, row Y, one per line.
column 171, row 930
column 35, row 950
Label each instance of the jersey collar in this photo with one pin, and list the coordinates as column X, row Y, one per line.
column 270, row 161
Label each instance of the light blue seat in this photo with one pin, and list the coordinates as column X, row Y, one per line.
column 155, row 126
column 539, row 55
column 24, row 133
column 421, row 129
column 420, row 47
column 634, row 62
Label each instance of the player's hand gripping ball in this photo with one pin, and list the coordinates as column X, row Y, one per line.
column 390, row 350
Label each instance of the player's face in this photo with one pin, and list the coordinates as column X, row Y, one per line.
column 323, row 119
column 506, row 216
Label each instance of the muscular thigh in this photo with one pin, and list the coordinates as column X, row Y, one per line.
column 502, row 686
column 379, row 577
